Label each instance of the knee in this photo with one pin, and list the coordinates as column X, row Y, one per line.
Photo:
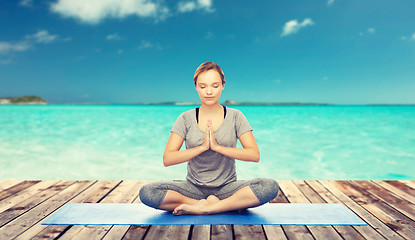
column 266, row 189
column 151, row 195
column 272, row 186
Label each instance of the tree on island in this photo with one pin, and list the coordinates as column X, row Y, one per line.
column 23, row 100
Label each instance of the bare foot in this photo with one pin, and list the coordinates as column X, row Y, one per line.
column 186, row 209
column 191, row 209
column 212, row 199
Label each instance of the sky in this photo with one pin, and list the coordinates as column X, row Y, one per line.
column 137, row 51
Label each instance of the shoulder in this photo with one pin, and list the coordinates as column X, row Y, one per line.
column 188, row 114
column 234, row 112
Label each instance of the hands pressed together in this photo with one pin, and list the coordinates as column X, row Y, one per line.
column 209, row 141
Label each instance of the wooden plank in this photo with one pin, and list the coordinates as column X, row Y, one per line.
column 400, row 185
column 25, row 206
column 25, row 194
column 220, row 232
column 16, row 188
column 274, row 232
column 5, row 184
column 248, row 232
column 27, row 220
column 392, row 218
column 404, row 192
column 201, row 232
column 294, row 232
column 294, row 195
column 134, row 232
column 94, row 193
column 388, row 197
column 346, row 232
column 366, row 232
column 410, row 184
column 168, row 232
column 374, row 222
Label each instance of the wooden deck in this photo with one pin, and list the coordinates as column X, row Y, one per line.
column 387, row 206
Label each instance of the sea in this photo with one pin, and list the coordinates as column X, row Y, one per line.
column 126, row 142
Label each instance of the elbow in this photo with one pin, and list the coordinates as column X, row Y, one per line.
column 256, row 157
column 166, row 163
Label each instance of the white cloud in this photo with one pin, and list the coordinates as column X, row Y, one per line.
column 368, row 31
column 330, row 2
column 147, row 44
column 186, row 6
column 6, row 47
column 42, row 36
column 293, row 26
column 189, row 6
column 114, row 36
column 26, row 3
column 411, row 38
column 93, row 11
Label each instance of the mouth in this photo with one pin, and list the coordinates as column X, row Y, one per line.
column 209, row 98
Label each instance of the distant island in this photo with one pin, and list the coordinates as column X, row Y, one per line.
column 232, row 102
column 35, row 100
column 32, row 100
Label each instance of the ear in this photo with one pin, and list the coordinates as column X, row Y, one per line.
column 223, row 86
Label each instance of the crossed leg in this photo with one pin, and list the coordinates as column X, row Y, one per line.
column 179, row 204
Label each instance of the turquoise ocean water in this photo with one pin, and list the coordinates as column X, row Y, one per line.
column 111, row 142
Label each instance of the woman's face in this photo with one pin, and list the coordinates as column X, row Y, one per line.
column 209, row 86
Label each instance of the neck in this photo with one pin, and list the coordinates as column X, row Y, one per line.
column 210, row 108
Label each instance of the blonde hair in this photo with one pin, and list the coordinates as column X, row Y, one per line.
column 206, row 66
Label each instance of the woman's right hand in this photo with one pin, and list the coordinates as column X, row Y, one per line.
column 206, row 141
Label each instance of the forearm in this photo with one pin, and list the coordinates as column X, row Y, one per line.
column 176, row 157
column 244, row 154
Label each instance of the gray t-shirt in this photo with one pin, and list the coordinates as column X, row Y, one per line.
column 211, row 169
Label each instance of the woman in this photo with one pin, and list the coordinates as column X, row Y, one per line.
column 211, row 133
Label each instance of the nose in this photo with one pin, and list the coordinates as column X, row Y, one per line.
column 209, row 90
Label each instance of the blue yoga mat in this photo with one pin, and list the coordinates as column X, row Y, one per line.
column 268, row 214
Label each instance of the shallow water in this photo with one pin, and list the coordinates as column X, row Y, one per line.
column 127, row 142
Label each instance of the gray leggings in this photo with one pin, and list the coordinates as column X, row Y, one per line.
column 152, row 194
